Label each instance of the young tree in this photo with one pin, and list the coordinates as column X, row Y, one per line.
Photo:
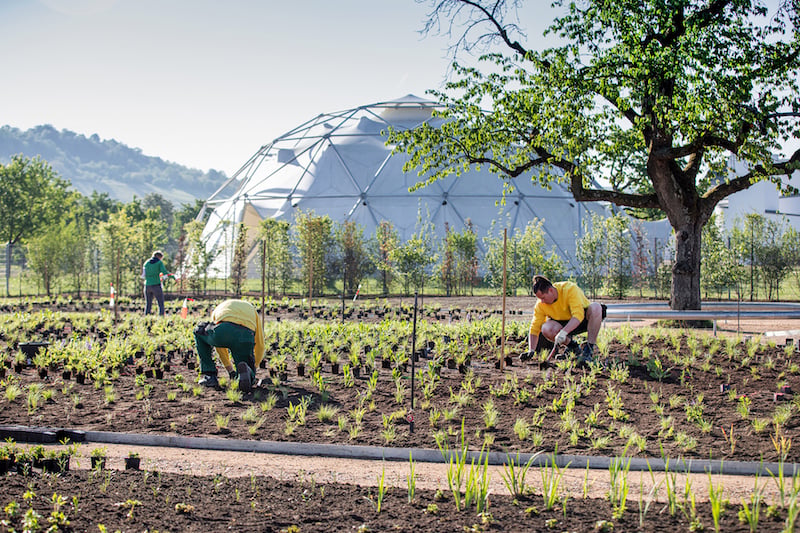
column 381, row 250
column 792, row 243
column 277, row 261
column 721, row 269
column 640, row 258
column 533, row 258
column 681, row 86
column 618, row 255
column 239, row 264
column 149, row 233
column 465, row 248
column 45, row 252
column 166, row 213
column 350, row 239
column 746, row 236
column 198, row 257
column 414, row 257
column 447, row 268
column 313, row 238
column 493, row 259
column 32, row 196
column 591, row 254
column 773, row 256
column 76, row 255
column 116, row 240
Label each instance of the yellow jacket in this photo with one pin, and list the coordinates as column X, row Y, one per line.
column 244, row 314
column 571, row 303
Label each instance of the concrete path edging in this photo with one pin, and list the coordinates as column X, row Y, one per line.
column 679, row 465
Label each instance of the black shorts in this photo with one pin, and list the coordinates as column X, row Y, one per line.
column 583, row 326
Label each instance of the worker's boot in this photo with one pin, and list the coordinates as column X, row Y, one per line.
column 246, row 376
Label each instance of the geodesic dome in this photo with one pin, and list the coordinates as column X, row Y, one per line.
column 338, row 164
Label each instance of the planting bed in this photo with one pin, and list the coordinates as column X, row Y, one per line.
column 659, row 393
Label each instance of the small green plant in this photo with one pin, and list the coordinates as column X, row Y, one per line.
column 551, row 482
column 618, row 470
column 514, row 474
column 411, row 478
column 222, row 421
column 327, row 412
column 751, row 511
column 715, row 498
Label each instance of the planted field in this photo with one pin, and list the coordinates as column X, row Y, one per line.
column 657, row 393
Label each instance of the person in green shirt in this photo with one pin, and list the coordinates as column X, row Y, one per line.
column 152, row 270
column 561, row 311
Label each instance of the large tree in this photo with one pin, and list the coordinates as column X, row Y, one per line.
column 32, row 196
column 678, row 85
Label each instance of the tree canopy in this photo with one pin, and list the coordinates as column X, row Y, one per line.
column 642, row 106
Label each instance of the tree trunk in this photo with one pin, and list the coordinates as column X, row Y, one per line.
column 686, row 270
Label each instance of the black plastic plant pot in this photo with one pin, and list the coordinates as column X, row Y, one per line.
column 132, row 463
column 98, row 463
column 334, row 368
column 30, row 349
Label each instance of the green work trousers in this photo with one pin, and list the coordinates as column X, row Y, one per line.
column 238, row 339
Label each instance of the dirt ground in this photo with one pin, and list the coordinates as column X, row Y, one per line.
column 366, row 473
column 431, row 476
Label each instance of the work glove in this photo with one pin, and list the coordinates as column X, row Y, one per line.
column 233, row 375
column 527, row 356
column 561, row 337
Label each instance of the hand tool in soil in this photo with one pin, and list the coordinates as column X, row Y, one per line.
column 546, row 362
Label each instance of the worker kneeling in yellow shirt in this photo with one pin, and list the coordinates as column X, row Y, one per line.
column 235, row 331
column 562, row 310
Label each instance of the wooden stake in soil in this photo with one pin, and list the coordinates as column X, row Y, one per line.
column 503, row 321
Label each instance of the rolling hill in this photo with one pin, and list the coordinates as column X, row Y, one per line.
column 108, row 166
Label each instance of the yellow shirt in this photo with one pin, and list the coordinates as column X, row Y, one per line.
column 244, row 314
column 571, row 303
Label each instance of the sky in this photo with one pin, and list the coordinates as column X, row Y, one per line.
column 205, row 83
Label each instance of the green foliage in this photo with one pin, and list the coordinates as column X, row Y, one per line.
column 414, row 258
column 239, row 263
column 459, row 266
column 618, row 255
column 380, row 251
column 654, row 107
column 313, row 239
column 591, row 254
column 353, row 254
column 276, row 258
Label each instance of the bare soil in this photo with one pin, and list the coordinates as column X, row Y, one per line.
column 219, row 491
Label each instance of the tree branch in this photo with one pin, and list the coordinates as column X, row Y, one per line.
column 726, row 188
column 501, row 30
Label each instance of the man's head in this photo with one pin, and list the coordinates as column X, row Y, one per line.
column 544, row 290
column 158, row 254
